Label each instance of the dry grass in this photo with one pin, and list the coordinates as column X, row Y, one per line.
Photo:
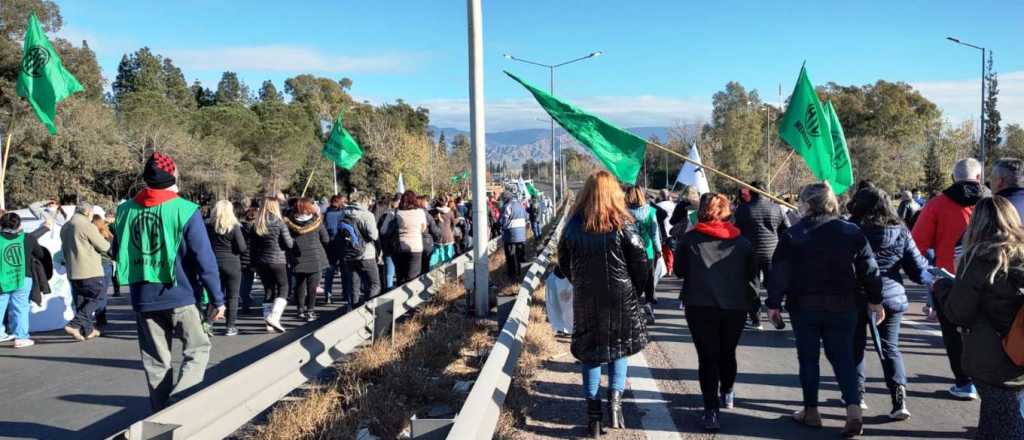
column 383, row 385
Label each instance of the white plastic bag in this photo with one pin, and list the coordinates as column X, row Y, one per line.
column 559, row 304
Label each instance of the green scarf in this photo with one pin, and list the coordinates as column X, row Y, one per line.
column 12, row 270
column 149, row 238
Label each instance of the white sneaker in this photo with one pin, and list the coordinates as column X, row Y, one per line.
column 22, row 343
column 6, row 338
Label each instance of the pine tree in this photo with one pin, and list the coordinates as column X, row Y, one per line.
column 178, row 90
column 269, row 93
column 992, row 116
column 442, row 144
column 934, row 177
column 230, row 90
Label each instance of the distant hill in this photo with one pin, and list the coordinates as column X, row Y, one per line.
column 518, row 146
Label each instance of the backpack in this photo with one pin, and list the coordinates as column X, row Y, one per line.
column 350, row 243
column 389, row 234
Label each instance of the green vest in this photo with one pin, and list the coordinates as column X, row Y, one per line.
column 646, row 224
column 12, row 269
column 148, row 240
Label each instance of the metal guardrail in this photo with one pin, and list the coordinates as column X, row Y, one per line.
column 479, row 414
column 222, row 407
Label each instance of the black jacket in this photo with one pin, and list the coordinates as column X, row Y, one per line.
column 986, row 311
column 761, row 222
column 894, row 250
column 432, row 234
column 824, row 265
column 716, row 272
column 270, row 248
column 311, row 238
column 680, row 219
column 227, row 247
column 246, row 256
column 607, row 272
column 38, row 264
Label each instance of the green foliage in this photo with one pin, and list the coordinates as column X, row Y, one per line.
column 269, row 93
column 230, row 90
column 1014, row 146
column 992, row 115
column 736, row 133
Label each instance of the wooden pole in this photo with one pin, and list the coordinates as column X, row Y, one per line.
column 720, row 173
column 7, row 152
column 308, row 179
column 783, row 165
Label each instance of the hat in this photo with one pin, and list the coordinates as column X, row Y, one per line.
column 159, row 171
column 97, row 210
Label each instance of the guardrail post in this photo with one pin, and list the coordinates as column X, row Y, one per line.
column 383, row 318
column 430, row 429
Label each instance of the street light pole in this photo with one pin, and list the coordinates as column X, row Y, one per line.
column 476, row 126
column 554, row 153
column 981, row 137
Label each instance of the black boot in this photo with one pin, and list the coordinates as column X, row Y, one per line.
column 615, row 409
column 594, row 415
column 899, row 403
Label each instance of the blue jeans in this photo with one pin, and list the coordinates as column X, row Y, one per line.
column 329, row 271
column 592, row 376
column 889, row 333
column 536, row 230
column 389, row 273
column 108, row 280
column 18, row 299
column 836, row 330
column 245, row 287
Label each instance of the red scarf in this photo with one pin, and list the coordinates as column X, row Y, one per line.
column 718, row 229
column 150, row 197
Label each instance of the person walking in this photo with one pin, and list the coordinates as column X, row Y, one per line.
column 163, row 253
column 228, row 244
column 663, row 211
column 431, row 237
column 894, row 251
column 108, row 268
column 908, row 209
column 307, row 258
column 388, row 240
column 411, row 225
column 718, row 267
column 269, row 243
column 332, row 217
column 824, row 268
column 604, row 257
column 21, row 252
column 513, row 235
column 360, row 262
column 761, row 221
column 939, row 226
column 647, row 224
column 984, row 302
column 445, row 220
column 245, row 258
column 81, row 247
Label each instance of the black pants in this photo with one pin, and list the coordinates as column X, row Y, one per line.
column 407, row 266
column 763, row 269
column 515, row 254
column 275, row 281
column 88, row 295
column 954, row 348
column 230, row 283
column 305, row 290
column 649, row 286
column 716, row 333
column 425, row 259
column 369, row 281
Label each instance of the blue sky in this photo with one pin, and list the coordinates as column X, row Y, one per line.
column 662, row 62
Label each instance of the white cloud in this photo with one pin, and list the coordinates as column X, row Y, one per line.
column 624, row 111
column 961, row 99
column 289, row 59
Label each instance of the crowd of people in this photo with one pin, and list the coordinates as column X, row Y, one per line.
column 838, row 269
column 188, row 267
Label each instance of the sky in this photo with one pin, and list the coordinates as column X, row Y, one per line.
column 661, row 60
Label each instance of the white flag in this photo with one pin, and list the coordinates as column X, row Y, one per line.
column 693, row 175
column 401, row 184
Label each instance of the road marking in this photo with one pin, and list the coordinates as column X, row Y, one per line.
column 656, row 420
column 924, row 327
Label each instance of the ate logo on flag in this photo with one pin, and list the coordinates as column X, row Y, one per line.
column 35, row 61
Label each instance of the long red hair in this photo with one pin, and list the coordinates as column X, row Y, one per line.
column 601, row 204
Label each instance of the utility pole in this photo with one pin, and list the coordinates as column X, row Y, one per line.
column 481, row 285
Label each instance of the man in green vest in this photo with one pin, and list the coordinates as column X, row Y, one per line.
column 164, row 255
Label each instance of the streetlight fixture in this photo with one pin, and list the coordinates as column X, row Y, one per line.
column 981, row 137
column 554, row 155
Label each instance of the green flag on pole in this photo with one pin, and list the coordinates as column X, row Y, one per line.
column 460, row 177
column 42, row 79
column 805, row 127
column 341, row 148
column 620, row 151
column 840, row 153
column 532, row 190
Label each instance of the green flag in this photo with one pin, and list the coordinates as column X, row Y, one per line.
column 840, row 153
column 805, row 127
column 532, row 190
column 341, row 148
column 620, row 151
column 42, row 80
column 460, row 177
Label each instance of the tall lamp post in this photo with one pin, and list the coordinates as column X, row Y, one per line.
column 981, row 138
column 554, row 154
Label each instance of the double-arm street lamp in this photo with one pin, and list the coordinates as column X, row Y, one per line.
column 981, row 138
column 554, row 154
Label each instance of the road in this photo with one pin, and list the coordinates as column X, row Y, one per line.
column 768, row 389
column 60, row 389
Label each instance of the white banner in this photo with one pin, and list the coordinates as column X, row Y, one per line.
column 693, row 175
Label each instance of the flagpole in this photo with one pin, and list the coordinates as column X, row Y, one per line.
column 308, row 180
column 781, row 166
column 6, row 155
column 720, row 173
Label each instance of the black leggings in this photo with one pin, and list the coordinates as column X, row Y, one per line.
column 407, row 266
column 305, row 290
column 275, row 281
column 716, row 333
column 230, row 281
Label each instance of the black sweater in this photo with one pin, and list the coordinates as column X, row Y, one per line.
column 228, row 246
column 310, row 236
column 716, row 272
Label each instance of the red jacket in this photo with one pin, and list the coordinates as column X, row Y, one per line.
column 944, row 219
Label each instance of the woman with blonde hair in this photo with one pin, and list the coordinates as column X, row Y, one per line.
column 984, row 302
column 604, row 257
column 228, row 244
column 269, row 242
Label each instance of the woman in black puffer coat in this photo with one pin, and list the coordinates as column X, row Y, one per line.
column 269, row 242
column 894, row 250
column 307, row 258
column 603, row 256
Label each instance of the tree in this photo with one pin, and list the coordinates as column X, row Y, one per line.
column 141, row 71
column 203, row 96
column 177, row 89
column 1014, row 146
column 992, row 116
column 269, row 93
column 934, row 176
column 230, row 90
column 736, row 132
